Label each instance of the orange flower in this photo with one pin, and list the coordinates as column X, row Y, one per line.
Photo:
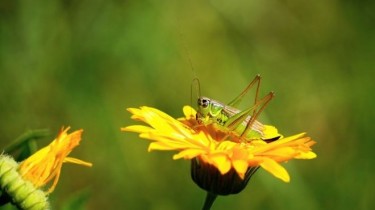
column 207, row 144
column 45, row 165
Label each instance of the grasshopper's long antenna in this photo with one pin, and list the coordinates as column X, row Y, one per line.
column 195, row 84
column 186, row 50
column 195, row 81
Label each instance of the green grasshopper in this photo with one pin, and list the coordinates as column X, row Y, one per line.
column 232, row 121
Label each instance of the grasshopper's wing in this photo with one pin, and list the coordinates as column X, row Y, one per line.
column 241, row 118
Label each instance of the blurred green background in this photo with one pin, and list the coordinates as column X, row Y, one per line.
column 82, row 63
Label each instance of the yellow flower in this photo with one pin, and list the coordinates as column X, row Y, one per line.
column 21, row 184
column 45, row 165
column 205, row 144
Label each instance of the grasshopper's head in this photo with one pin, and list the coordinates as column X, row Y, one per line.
column 203, row 111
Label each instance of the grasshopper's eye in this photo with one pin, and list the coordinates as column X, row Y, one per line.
column 203, row 102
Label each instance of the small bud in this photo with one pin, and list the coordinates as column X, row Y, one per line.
column 22, row 193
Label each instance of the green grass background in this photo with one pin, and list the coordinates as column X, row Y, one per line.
column 81, row 63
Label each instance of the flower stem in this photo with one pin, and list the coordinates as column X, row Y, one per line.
column 210, row 198
column 27, row 136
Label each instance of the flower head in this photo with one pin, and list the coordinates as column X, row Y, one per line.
column 45, row 165
column 207, row 144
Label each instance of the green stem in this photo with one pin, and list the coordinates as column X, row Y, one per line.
column 27, row 136
column 210, row 198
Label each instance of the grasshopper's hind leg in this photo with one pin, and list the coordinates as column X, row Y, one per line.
column 237, row 119
column 236, row 101
column 263, row 104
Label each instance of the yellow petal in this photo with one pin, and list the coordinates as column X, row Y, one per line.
column 275, row 169
column 77, row 161
column 137, row 128
column 270, row 132
column 280, row 152
column 189, row 112
column 188, row 154
column 160, row 146
column 221, row 162
column 241, row 167
column 306, row 155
